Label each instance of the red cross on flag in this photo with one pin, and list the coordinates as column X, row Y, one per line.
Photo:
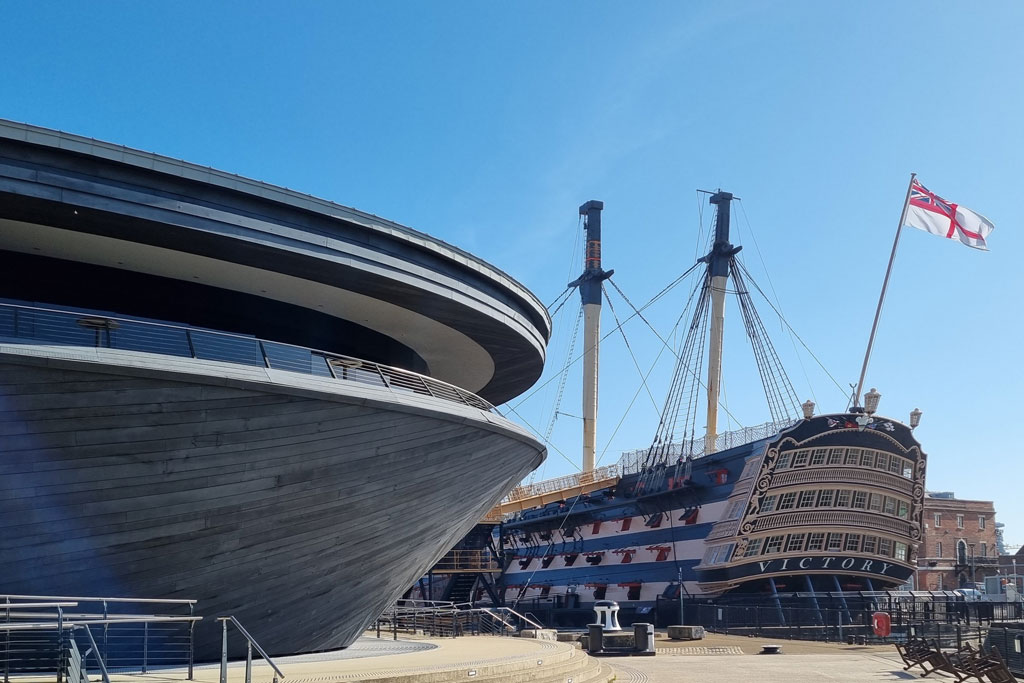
column 929, row 212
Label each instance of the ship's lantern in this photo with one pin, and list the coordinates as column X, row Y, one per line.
column 808, row 407
column 871, row 401
column 915, row 417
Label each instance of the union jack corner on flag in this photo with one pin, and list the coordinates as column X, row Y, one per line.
column 929, row 212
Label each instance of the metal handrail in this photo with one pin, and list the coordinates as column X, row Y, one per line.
column 250, row 644
column 166, row 601
column 96, row 653
column 341, row 367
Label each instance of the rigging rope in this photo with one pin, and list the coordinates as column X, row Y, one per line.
column 629, row 348
column 789, row 327
column 564, row 375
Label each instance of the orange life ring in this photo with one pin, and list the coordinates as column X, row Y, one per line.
column 881, row 624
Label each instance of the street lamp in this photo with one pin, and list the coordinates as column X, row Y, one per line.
column 915, row 417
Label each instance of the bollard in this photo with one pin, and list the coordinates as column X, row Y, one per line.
column 643, row 638
column 595, row 642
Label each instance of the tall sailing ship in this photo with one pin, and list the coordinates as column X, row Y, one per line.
column 805, row 504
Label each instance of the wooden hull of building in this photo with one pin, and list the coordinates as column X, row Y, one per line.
column 301, row 509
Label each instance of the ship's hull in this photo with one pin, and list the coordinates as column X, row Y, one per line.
column 299, row 505
column 829, row 504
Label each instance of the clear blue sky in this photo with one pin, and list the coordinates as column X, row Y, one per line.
column 487, row 124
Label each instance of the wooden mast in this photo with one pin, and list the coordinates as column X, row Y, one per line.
column 718, row 260
column 590, row 293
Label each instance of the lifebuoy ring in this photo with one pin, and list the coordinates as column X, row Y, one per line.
column 881, row 624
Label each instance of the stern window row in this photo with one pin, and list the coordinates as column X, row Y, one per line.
column 848, row 457
column 832, row 542
column 836, row 498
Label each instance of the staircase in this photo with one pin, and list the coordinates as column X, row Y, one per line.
column 460, row 588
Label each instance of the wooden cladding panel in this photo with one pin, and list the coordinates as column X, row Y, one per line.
column 302, row 517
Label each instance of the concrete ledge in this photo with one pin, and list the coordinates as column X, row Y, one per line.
column 686, row 632
column 539, row 633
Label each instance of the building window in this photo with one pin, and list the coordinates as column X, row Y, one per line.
column 885, row 547
column 852, row 543
column 889, row 506
column 904, row 511
column 959, row 521
column 870, row 544
column 800, row 459
column 882, row 462
column 826, row 498
column 815, row 542
column 981, row 522
column 868, row 459
column 835, row 456
column 901, row 551
column 818, row 457
column 787, row 501
column 895, row 466
column 768, row 504
column 734, row 510
column 783, row 462
column 843, row 499
column 875, row 503
column 835, row 542
column 860, row 500
column 984, row 550
column 961, row 551
column 795, row 543
column 938, row 549
column 773, row 545
column 908, row 471
column 853, row 456
column 938, row 519
column 807, row 499
column 753, row 547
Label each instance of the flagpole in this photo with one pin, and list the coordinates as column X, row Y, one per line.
column 881, row 297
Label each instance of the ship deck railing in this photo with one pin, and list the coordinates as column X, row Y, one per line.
column 21, row 324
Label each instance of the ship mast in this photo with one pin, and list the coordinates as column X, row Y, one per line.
column 718, row 260
column 589, row 284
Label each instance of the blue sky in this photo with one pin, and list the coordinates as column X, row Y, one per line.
column 487, row 124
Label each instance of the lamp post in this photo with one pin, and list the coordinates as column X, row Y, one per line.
column 808, row 408
column 682, row 616
column 915, row 417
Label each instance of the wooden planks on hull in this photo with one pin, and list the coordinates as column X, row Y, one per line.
column 301, row 516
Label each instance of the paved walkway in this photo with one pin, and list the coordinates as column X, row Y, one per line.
column 716, row 659
column 855, row 668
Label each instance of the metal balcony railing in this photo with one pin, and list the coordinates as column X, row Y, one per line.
column 474, row 560
column 835, row 519
column 21, row 324
column 841, row 474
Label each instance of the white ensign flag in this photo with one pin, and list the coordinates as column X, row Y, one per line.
column 929, row 212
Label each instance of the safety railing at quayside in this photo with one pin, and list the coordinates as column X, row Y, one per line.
column 19, row 323
column 41, row 642
column 250, row 644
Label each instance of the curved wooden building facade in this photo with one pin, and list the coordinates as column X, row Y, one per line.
column 216, row 389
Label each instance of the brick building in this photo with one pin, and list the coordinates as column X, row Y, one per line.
column 959, row 542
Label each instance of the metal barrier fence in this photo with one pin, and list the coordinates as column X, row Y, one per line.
column 945, row 617
column 24, row 324
column 37, row 633
column 450, row 620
